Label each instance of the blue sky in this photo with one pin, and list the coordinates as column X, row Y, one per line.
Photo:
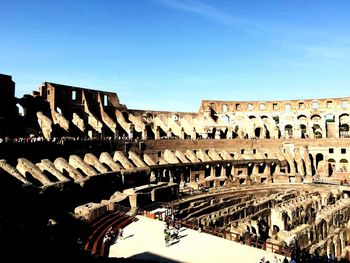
column 170, row 54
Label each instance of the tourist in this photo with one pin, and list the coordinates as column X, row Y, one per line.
column 167, row 236
column 120, row 235
column 285, row 260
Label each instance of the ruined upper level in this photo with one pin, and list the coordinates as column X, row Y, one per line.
column 60, row 110
column 308, row 105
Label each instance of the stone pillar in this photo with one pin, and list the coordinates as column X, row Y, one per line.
column 297, row 131
column 194, row 134
column 169, row 133
column 255, row 169
column 153, row 177
column 157, row 133
column 324, row 130
column 217, row 134
column 336, row 126
column 182, row 134
column 182, row 177
column 144, row 134
column 267, row 170
column 131, row 133
column 171, row 176
column 223, row 171
column 233, row 170
column 212, row 171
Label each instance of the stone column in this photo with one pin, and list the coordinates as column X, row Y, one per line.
column 144, row 134
column 182, row 135
column 217, row 134
column 157, row 133
column 212, row 171
column 169, row 133
column 171, row 176
column 182, row 177
column 336, row 126
column 194, row 134
column 223, row 171
column 153, row 177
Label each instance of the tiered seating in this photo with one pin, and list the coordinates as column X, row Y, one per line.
column 94, row 241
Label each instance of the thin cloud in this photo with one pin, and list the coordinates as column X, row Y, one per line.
column 215, row 14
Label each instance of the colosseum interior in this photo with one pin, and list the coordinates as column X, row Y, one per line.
column 270, row 174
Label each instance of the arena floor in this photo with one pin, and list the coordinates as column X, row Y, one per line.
column 144, row 239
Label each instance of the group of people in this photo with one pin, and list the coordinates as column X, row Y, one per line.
column 170, row 233
column 111, row 236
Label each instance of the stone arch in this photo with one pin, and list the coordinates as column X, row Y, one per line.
column 32, row 179
column 250, row 167
column 344, row 165
column 331, row 248
column 344, row 123
column 330, row 117
column 302, row 118
column 317, row 130
column 223, row 133
column 344, row 130
column 329, row 125
column 331, row 166
column 150, row 133
column 21, row 110
column 288, row 131
column 257, row 132
column 319, row 157
column 315, row 117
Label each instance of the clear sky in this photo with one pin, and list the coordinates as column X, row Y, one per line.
column 170, row 54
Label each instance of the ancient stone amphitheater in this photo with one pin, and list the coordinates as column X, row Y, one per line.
column 273, row 174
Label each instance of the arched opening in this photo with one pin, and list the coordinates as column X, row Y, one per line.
column 330, row 120
column 107, row 166
column 32, row 179
column 234, row 135
column 330, row 117
column 250, row 168
column 150, row 133
column 319, row 157
column 207, row 171
column 267, row 132
column 223, row 133
column 165, row 176
column 317, row 131
column 303, row 130
column 66, row 173
column 344, row 131
column 50, row 176
column 21, row 110
column 331, row 166
column 235, row 132
column 257, row 132
column 343, row 166
column 288, row 131
column 262, row 168
column 272, row 168
column 313, row 169
column 81, row 172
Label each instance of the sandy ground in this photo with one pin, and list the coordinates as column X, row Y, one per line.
column 144, row 239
